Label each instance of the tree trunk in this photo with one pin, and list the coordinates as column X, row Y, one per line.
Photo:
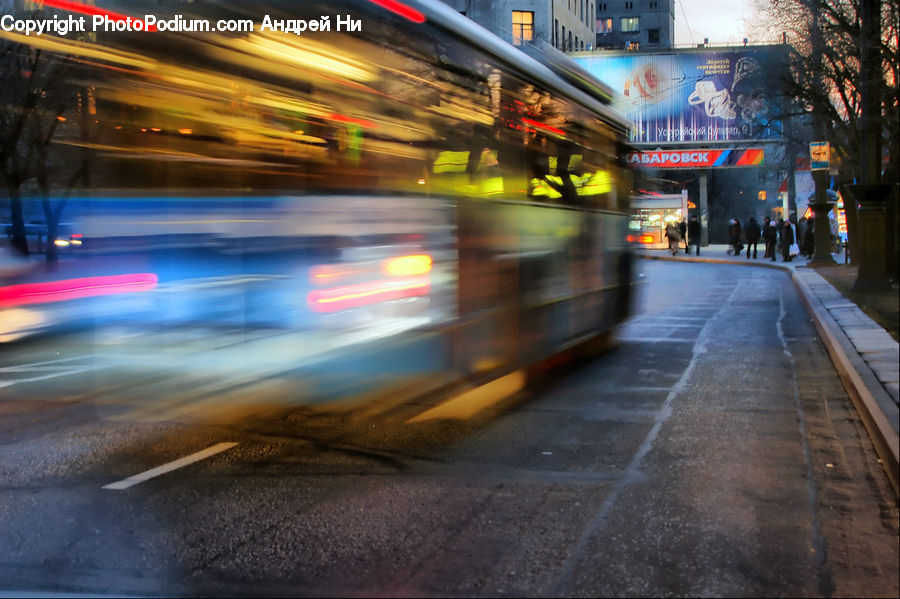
column 52, row 218
column 19, row 240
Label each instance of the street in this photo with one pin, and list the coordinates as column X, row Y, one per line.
column 712, row 452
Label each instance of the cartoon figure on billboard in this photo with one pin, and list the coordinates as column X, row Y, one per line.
column 716, row 102
column 748, row 89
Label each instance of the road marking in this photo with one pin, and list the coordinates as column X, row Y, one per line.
column 194, row 457
column 473, row 401
column 48, row 366
column 66, row 372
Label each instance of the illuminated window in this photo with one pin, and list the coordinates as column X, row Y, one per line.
column 604, row 25
column 630, row 24
column 522, row 27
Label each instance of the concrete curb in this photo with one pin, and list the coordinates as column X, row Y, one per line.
column 875, row 407
column 871, row 400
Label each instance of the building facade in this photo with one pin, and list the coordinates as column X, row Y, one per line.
column 635, row 24
column 567, row 25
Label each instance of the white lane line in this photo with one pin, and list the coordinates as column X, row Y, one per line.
column 44, row 363
column 67, row 372
column 194, row 457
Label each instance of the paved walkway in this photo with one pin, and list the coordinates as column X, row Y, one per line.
column 865, row 355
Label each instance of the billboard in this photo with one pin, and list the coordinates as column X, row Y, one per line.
column 729, row 94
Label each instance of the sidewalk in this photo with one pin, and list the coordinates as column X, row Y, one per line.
column 859, row 331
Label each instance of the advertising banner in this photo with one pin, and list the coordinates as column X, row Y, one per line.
column 820, row 155
column 695, row 96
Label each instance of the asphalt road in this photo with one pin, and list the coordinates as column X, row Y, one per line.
column 712, row 453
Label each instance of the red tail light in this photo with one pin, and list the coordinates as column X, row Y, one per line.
column 364, row 294
column 69, row 289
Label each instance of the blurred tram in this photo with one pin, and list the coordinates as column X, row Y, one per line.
column 413, row 200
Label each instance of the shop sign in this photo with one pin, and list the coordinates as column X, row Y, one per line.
column 819, row 155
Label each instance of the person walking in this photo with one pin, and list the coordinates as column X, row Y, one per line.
column 752, row 233
column 808, row 247
column 682, row 230
column 802, row 228
column 693, row 229
column 788, row 238
column 770, row 237
column 734, row 236
column 674, row 238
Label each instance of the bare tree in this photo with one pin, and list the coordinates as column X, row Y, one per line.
column 45, row 117
column 825, row 76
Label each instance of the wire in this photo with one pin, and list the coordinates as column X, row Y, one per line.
column 686, row 23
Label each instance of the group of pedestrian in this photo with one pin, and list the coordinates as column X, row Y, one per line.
column 806, row 236
column 780, row 236
column 688, row 233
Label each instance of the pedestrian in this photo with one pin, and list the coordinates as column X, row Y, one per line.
column 694, row 233
column 734, row 236
column 788, row 239
column 682, row 230
column 835, row 233
column 803, row 225
column 770, row 236
column 752, row 233
column 808, row 246
column 674, row 237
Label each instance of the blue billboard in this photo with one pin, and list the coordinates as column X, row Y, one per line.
column 695, row 96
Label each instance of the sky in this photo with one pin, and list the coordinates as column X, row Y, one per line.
column 722, row 21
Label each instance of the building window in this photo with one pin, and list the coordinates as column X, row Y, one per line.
column 630, row 24
column 653, row 36
column 604, row 26
column 556, row 34
column 629, row 6
column 522, row 27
